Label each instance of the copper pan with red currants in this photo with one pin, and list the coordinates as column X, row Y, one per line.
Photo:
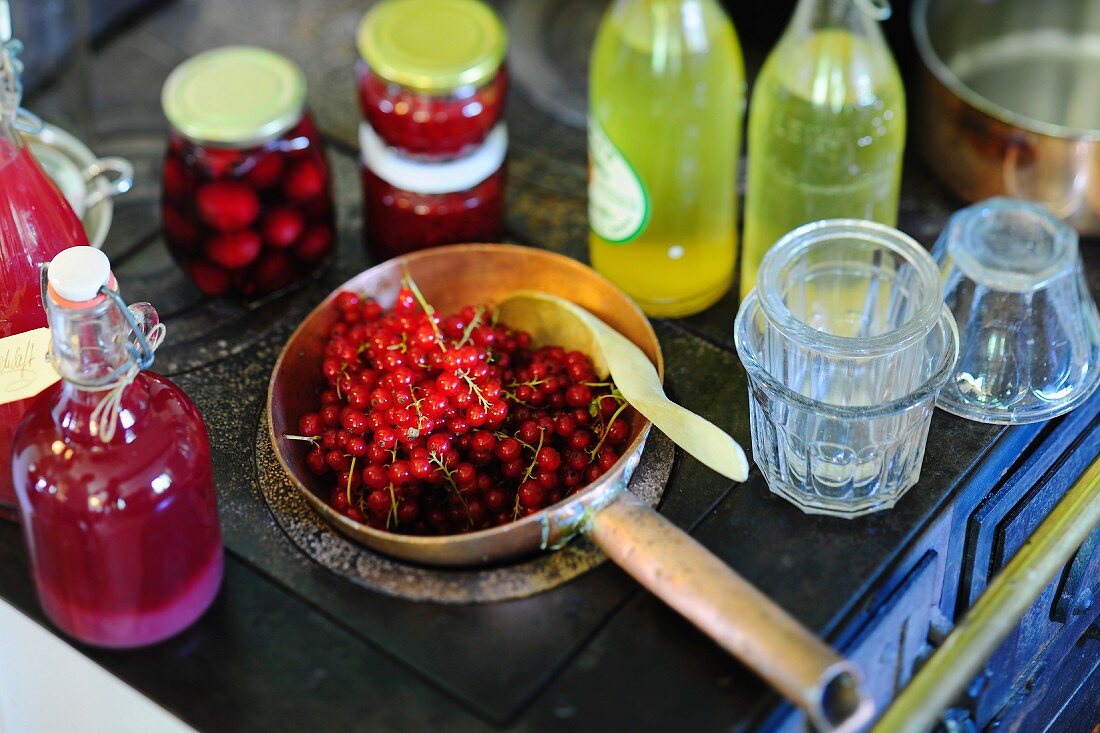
column 417, row 423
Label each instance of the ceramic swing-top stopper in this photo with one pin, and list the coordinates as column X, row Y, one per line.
column 76, row 274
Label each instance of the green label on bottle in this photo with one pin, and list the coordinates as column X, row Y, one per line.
column 618, row 205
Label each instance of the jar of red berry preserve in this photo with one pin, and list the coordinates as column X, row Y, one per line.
column 247, row 200
column 410, row 204
column 432, row 80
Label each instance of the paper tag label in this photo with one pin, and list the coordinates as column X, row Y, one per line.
column 618, row 205
column 25, row 367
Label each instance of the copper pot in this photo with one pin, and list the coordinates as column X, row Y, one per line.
column 1010, row 101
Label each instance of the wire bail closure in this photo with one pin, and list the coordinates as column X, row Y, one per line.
column 143, row 351
column 106, row 414
column 141, row 346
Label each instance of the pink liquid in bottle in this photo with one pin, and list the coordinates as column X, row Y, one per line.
column 36, row 222
column 122, row 534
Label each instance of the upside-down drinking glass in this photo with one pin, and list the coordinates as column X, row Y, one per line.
column 846, row 342
column 1029, row 330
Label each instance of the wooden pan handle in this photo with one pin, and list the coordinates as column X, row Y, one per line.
column 725, row 606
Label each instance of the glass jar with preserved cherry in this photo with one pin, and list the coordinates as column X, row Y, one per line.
column 246, row 197
column 410, row 204
column 432, row 81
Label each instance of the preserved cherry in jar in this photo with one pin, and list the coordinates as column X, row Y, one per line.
column 431, row 77
column 410, row 205
column 246, row 191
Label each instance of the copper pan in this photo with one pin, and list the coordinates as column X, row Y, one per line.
column 660, row 556
column 1009, row 101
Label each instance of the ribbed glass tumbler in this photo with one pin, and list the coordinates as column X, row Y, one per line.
column 846, row 342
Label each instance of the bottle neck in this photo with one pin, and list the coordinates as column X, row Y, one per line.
column 90, row 344
column 668, row 30
column 858, row 17
column 834, row 55
column 90, row 352
column 11, row 85
column 11, row 95
column 674, row 13
column 656, row 3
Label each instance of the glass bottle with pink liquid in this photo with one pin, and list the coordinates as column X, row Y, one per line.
column 111, row 467
column 36, row 222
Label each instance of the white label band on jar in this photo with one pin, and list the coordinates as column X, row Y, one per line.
column 25, row 366
column 436, row 177
column 618, row 204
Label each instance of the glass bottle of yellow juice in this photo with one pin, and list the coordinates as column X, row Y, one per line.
column 667, row 96
column 826, row 127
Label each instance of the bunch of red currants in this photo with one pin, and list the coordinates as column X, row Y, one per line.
column 436, row 424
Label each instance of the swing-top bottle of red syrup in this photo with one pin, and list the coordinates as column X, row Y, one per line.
column 111, row 467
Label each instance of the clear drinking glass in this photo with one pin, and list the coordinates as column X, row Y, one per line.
column 1029, row 330
column 846, row 342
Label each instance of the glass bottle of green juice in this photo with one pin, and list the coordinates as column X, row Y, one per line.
column 826, row 127
column 667, row 97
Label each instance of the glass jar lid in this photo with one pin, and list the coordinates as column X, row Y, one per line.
column 234, row 96
column 433, row 45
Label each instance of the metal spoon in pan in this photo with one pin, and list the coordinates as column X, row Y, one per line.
column 551, row 319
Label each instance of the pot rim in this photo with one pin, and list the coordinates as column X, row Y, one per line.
column 943, row 73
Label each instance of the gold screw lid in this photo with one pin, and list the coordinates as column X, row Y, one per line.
column 433, row 45
column 234, row 96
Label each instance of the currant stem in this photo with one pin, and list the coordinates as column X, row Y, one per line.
column 425, row 306
column 393, row 507
column 534, row 459
column 529, row 383
column 403, row 346
column 501, row 435
column 474, row 323
column 607, row 430
column 512, row 396
column 419, row 415
column 438, row 461
column 351, row 475
column 306, row 438
column 530, row 470
column 614, row 394
column 473, row 387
